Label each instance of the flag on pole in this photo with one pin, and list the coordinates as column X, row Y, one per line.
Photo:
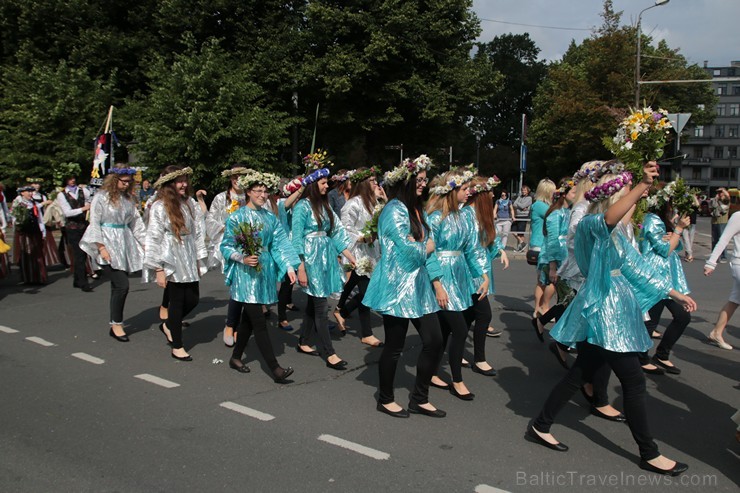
column 100, row 160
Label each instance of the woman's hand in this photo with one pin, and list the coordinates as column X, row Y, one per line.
column 200, row 194
column 684, row 222
column 708, row 271
column 688, row 303
column 302, row 277
column 441, row 295
column 482, row 291
column 504, row 259
column 650, row 172
column 161, row 279
column 104, row 254
column 292, row 277
column 251, row 261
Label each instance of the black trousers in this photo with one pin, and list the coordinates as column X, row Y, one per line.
column 285, row 298
column 355, row 303
column 626, row 367
column 453, row 324
column 234, row 313
column 62, row 247
column 253, row 322
column 118, row 293
column 315, row 323
column 347, row 291
column 183, row 297
column 395, row 337
column 674, row 331
column 480, row 313
column 80, row 257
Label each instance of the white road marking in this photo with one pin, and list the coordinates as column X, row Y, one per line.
column 88, row 358
column 7, row 330
column 355, row 447
column 157, row 381
column 40, row 341
column 484, row 488
column 247, row 411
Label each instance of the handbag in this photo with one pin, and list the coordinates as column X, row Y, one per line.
column 533, row 256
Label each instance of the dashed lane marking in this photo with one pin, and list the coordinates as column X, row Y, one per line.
column 355, row 447
column 157, row 381
column 484, row 488
column 247, row 411
column 40, row 341
column 7, row 330
column 88, row 358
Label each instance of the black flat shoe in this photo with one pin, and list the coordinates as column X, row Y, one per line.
column 237, row 365
column 443, row 387
column 417, row 409
column 537, row 330
column 309, row 353
column 554, row 350
column 668, row 369
column 161, row 329
column 341, row 365
column 396, row 414
column 679, row 468
column 653, row 371
column 182, row 358
column 465, row 397
column 619, row 418
column 87, row 288
column 558, row 447
column 488, row 373
column 292, row 308
column 282, row 374
column 123, row 338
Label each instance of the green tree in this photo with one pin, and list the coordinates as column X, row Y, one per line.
column 590, row 90
column 204, row 110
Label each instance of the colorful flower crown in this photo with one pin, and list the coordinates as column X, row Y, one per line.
column 407, row 169
column 611, row 167
column 122, row 171
column 238, row 170
column 609, row 188
column 358, row 176
column 35, row 180
column 315, row 176
column 587, row 170
column 342, row 177
column 488, row 186
column 316, row 161
column 172, row 176
column 269, row 180
column 453, row 182
column 564, row 188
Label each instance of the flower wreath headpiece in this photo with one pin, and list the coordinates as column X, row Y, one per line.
column 611, row 167
column 122, row 171
column 587, row 170
column 172, row 176
column 564, row 188
column 238, row 170
column 315, row 176
column 609, row 188
column 454, row 182
column 269, row 180
column 316, row 161
column 489, row 185
column 358, row 176
column 407, row 169
column 25, row 188
column 35, row 180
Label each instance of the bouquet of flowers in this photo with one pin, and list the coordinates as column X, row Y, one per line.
column 365, row 266
column 317, row 160
column 370, row 230
column 233, row 207
column 248, row 239
column 681, row 197
column 640, row 138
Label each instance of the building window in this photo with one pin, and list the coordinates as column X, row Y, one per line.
column 699, row 131
column 732, row 152
column 719, row 152
column 698, row 153
column 732, row 131
column 735, row 90
column 716, row 72
column 696, row 174
column 719, row 130
column 721, row 89
column 724, row 173
column 721, row 109
column 734, row 109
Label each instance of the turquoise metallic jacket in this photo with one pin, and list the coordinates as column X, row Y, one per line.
column 657, row 252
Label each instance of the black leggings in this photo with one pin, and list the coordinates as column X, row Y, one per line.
column 627, row 368
column 234, row 313
column 315, row 323
column 183, row 297
column 348, row 287
column 355, row 302
column 118, row 293
column 395, row 336
column 674, row 331
column 453, row 323
column 480, row 312
column 285, row 298
column 253, row 321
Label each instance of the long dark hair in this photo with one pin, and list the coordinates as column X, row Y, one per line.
column 319, row 203
column 172, row 202
column 405, row 192
column 365, row 191
column 666, row 215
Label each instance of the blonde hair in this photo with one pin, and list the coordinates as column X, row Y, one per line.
column 110, row 186
column 584, row 186
column 446, row 203
column 602, row 206
column 545, row 188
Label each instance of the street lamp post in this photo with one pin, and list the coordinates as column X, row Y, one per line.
column 658, row 3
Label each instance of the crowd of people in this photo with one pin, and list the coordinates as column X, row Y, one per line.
column 412, row 250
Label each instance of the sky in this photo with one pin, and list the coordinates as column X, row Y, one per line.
column 702, row 29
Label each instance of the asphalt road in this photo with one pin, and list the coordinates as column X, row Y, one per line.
column 86, row 413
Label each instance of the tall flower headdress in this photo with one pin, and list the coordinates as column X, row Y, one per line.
column 407, row 169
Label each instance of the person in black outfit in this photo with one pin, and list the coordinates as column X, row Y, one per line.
column 75, row 202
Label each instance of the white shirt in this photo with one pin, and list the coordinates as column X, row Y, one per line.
column 64, row 205
column 731, row 231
